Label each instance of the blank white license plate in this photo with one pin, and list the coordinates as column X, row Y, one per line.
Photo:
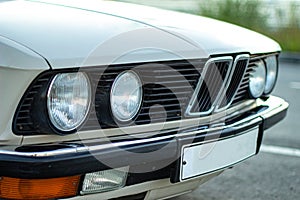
column 202, row 158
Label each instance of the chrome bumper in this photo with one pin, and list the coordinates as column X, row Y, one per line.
column 67, row 159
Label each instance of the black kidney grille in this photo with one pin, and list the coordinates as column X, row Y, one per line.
column 234, row 83
column 211, row 86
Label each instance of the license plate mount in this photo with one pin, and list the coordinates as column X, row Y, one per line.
column 203, row 158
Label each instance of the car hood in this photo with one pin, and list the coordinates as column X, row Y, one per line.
column 73, row 33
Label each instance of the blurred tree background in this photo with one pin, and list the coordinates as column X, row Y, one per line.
column 239, row 12
column 278, row 19
column 253, row 14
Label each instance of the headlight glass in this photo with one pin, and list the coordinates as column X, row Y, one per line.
column 257, row 80
column 272, row 65
column 68, row 102
column 126, row 96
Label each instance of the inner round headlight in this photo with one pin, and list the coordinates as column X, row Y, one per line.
column 126, row 96
column 272, row 69
column 257, row 80
column 68, row 102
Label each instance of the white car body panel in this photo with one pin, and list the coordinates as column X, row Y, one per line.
column 19, row 65
column 16, row 56
column 217, row 37
column 103, row 28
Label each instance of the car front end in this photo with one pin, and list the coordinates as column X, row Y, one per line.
column 108, row 100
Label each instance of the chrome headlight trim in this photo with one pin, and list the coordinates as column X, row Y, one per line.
column 61, row 120
column 272, row 73
column 137, row 83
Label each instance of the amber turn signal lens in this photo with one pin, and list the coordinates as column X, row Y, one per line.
column 14, row 188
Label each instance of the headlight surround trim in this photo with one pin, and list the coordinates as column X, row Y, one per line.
column 257, row 80
column 132, row 115
column 53, row 122
column 272, row 68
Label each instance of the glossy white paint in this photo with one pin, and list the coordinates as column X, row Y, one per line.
column 213, row 36
column 74, row 37
column 103, row 32
column 19, row 65
column 16, row 56
column 13, row 83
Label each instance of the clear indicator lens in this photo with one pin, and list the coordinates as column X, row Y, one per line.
column 126, row 96
column 258, row 80
column 69, row 99
column 104, row 180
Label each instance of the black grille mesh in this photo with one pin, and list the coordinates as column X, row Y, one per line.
column 234, row 82
column 243, row 90
column 24, row 122
column 167, row 90
column 167, row 86
column 211, row 86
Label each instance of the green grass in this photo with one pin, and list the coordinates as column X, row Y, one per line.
column 240, row 12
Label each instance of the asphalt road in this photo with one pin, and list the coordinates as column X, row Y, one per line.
column 267, row 175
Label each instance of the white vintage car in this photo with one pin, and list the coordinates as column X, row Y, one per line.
column 107, row 100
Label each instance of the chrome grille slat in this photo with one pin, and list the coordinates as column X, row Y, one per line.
column 177, row 88
column 167, row 94
column 166, row 106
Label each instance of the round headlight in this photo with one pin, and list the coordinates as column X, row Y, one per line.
column 272, row 69
column 68, row 102
column 257, row 80
column 126, row 96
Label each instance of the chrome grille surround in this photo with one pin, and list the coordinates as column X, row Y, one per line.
column 233, row 84
column 221, row 95
column 213, row 92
